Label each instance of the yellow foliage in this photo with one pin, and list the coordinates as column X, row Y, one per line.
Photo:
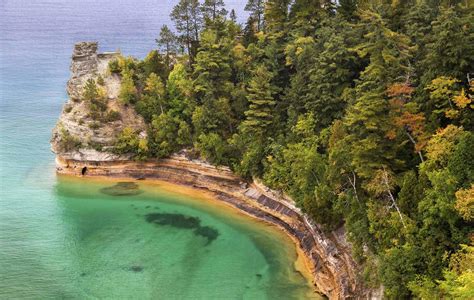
column 465, row 203
column 462, row 100
column 442, row 143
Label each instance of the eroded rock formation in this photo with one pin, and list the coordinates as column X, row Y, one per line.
column 75, row 122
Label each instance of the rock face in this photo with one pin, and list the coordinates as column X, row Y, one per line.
column 335, row 272
column 75, row 120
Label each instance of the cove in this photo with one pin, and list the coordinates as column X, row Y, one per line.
column 170, row 242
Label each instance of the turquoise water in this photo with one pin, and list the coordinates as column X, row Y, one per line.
column 63, row 238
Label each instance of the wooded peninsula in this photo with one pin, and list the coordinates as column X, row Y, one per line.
column 361, row 111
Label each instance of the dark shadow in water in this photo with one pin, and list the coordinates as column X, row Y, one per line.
column 183, row 222
column 122, row 189
column 136, row 269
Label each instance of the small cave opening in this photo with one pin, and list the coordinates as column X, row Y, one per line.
column 84, row 171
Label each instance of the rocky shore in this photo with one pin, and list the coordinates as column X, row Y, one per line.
column 335, row 273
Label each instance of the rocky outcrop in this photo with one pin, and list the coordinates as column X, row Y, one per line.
column 334, row 271
column 75, row 121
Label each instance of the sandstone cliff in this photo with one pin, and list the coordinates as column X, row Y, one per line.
column 335, row 272
column 75, row 122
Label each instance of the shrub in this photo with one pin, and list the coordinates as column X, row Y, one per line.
column 213, row 148
column 128, row 142
column 94, row 125
column 95, row 145
column 90, row 91
column 100, row 80
column 112, row 116
column 68, row 142
column 128, row 91
column 114, row 67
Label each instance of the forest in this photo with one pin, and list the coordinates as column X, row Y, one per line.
column 361, row 110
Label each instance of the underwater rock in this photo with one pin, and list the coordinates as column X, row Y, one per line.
column 122, row 189
column 183, row 222
column 136, row 269
column 207, row 232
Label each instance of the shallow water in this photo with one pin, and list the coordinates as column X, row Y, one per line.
column 63, row 238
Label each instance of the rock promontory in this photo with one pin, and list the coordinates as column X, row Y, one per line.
column 77, row 134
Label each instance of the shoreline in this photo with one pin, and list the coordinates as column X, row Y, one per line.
column 302, row 263
column 328, row 255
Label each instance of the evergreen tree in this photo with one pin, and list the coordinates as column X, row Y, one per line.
column 188, row 22
column 212, row 82
column 213, row 9
column 347, row 9
column 334, row 107
column 276, row 13
column 233, row 16
column 450, row 46
column 167, row 43
column 260, row 114
column 256, row 9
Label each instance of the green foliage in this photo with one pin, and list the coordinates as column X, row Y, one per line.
column 168, row 44
column 128, row 91
column 256, row 8
column 178, row 91
column 260, row 96
column 152, row 102
column 129, row 143
column 457, row 282
column 167, row 134
column 114, row 67
column 212, row 83
column 100, row 80
column 112, row 116
column 67, row 141
column 154, row 64
column 90, row 91
column 96, row 99
column 213, row 9
column 213, row 148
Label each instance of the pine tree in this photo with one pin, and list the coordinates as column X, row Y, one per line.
column 304, row 17
column 167, row 43
column 276, row 14
column 260, row 114
column 188, row 22
column 213, row 9
column 233, row 16
column 450, row 46
column 347, row 9
column 212, row 82
column 256, row 9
